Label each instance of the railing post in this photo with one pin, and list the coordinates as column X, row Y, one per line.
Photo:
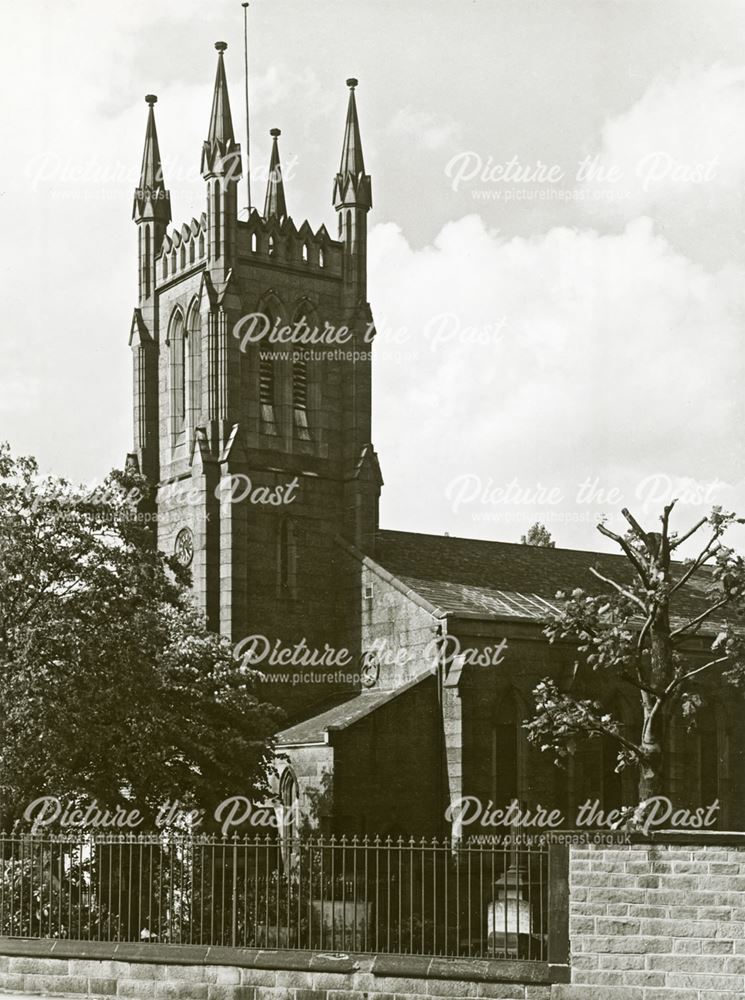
column 234, row 922
column 558, row 907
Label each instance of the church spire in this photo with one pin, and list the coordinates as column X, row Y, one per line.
column 221, row 169
column 221, row 121
column 151, row 198
column 275, row 204
column 352, row 201
column 352, row 184
column 151, row 174
column 351, row 154
column 221, row 154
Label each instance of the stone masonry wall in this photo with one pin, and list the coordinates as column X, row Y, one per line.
column 657, row 922
column 328, row 978
column 647, row 921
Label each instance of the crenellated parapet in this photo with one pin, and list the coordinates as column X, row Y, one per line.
column 252, row 379
column 182, row 249
column 266, row 240
column 280, row 241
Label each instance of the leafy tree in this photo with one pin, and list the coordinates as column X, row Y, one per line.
column 538, row 534
column 643, row 628
column 111, row 687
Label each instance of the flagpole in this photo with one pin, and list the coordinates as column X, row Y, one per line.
column 248, row 127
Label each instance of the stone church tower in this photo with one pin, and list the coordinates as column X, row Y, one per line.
column 268, row 487
column 260, row 448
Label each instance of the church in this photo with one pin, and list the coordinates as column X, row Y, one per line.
column 268, row 485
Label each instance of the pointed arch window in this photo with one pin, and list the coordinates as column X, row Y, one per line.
column 289, row 817
column 349, row 231
column 147, row 262
column 708, row 755
column 613, row 792
column 217, row 219
column 267, row 386
column 321, row 257
column 286, row 555
column 288, row 789
column 177, row 347
column 505, row 756
column 300, row 396
column 306, row 253
column 193, row 369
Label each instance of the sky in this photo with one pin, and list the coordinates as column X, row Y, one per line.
column 556, row 249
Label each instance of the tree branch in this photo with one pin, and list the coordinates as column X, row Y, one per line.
column 617, row 586
column 635, row 526
column 699, row 619
column 630, row 554
column 692, row 531
column 593, row 725
column 692, row 673
column 697, row 563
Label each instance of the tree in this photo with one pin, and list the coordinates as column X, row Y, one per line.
column 111, row 687
column 662, row 627
column 538, row 534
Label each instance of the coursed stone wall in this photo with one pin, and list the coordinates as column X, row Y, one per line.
column 174, row 973
column 658, row 921
column 647, row 921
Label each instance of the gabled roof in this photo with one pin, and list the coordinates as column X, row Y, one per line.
column 354, row 709
column 487, row 579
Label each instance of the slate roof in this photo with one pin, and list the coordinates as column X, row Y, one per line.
column 504, row 579
column 342, row 716
column 467, row 576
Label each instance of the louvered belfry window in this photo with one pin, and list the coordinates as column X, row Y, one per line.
column 266, row 395
column 300, row 397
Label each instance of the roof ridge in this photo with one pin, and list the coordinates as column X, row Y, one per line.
column 497, row 541
column 522, row 546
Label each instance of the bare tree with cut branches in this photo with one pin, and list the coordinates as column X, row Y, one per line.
column 662, row 627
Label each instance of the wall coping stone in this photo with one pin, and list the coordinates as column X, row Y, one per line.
column 725, row 838
column 403, row 966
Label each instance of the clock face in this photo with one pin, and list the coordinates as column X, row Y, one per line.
column 183, row 547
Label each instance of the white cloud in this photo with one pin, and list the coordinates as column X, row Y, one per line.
column 678, row 155
column 612, row 357
column 430, row 130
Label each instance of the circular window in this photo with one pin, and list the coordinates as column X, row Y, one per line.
column 183, row 547
column 369, row 669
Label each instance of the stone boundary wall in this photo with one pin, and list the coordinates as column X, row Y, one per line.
column 656, row 919
column 154, row 972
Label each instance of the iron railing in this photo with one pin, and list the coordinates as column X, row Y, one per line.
column 393, row 896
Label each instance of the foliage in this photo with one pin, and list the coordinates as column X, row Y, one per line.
column 111, row 687
column 538, row 534
column 661, row 628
